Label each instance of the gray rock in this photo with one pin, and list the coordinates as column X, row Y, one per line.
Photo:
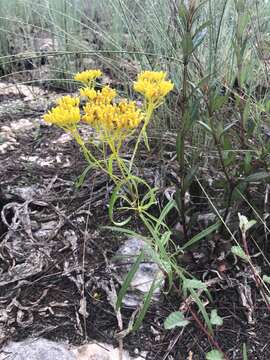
column 36, row 349
column 42, row 349
column 147, row 272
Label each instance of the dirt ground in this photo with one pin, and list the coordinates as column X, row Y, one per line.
column 55, row 274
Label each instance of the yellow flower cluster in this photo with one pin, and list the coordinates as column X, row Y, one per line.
column 88, row 76
column 112, row 118
column 104, row 96
column 66, row 114
column 153, row 86
column 107, row 117
column 116, row 119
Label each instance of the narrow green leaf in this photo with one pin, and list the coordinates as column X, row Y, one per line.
column 245, row 355
column 115, row 196
column 228, row 127
column 183, row 12
column 206, row 126
column 145, row 138
column 262, row 175
column 202, row 27
column 164, row 258
column 178, row 146
column 202, row 309
column 149, row 198
column 187, row 44
column 203, row 82
column 166, row 210
column 165, row 237
column 189, row 117
column 128, row 280
column 201, row 235
column 194, row 284
column 198, row 39
column 145, row 307
column 243, row 22
column 82, row 177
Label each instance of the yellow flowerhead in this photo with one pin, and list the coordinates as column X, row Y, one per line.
column 65, row 117
column 68, row 101
column 88, row 76
column 90, row 114
column 66, row 114
column 88, row 92
column 104, row 96
column 153, row 86
column 129, row 116
column 152, row 76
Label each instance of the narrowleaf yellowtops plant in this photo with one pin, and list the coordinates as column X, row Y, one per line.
column 113, row 119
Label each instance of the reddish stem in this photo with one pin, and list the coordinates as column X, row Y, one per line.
column 202, row 327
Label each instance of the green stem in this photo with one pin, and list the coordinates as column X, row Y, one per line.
column 149, row 113
column 125, row 172
column 89, row 157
